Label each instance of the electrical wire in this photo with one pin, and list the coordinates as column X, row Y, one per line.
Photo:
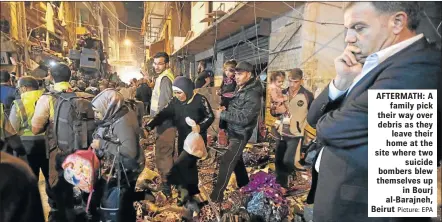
column 294, row 9
column 432, row 25
column 325, row 45
column 254, row 46
column 234, row 49
column 95, row 26
column 127, row 26
column 257, row 38
column 179, row 14
column 216, row 36
column 285, row 44
column 278, row 14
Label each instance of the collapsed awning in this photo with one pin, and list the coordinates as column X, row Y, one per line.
column 242, row 15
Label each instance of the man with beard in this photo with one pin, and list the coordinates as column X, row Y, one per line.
column 241, row 118
column 383, row 52
column 165, row 133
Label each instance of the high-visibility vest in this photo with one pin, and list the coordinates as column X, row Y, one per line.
column 25, row 108
column 157, row 89
column 2, row 122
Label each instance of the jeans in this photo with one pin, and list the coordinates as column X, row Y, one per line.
column 231, row 162
column 164, row 151
column 285, row 158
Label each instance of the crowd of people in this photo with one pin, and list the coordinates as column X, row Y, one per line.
column 28, row 115
column 383, row 52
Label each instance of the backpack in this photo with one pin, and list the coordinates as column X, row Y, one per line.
column 74, row 122
column 111, row 168
column 81, row 169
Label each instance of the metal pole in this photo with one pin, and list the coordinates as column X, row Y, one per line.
column 23, row 37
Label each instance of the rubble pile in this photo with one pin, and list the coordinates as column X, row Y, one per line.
column 261, row 200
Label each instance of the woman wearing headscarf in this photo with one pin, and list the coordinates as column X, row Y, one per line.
column 117, row 133
column 185, row 103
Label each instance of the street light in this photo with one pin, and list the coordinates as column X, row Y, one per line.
column 127, row 42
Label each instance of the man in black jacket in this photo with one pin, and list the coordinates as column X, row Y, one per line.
column 242, row 118
column 144, row 94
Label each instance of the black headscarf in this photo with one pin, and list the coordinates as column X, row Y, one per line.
column 185, row 85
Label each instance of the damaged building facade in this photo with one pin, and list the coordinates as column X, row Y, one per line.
column 36, row 33
column 270, row 35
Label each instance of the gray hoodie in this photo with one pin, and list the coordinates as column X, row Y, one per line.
column 125, row 129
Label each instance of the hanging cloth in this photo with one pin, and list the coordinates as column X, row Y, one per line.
column 61, row 14
column 49, row 17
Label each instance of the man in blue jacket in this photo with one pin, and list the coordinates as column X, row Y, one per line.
column 7, row 92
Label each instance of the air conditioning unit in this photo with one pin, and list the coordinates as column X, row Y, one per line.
column 74, row 54
column 90, row 60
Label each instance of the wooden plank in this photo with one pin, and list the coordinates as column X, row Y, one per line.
column 216, row 13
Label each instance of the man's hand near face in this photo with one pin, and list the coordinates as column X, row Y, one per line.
column 347, row 68
column 207, row 82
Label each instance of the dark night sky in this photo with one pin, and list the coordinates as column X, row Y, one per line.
column 134, row 16
column 134, row 13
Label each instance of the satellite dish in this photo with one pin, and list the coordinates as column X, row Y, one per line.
column 263, row 76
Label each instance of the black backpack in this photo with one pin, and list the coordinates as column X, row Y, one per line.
column 74, row 122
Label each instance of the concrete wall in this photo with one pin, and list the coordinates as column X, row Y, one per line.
column 218, row 69
column 313, row 48
column 113, row 38
column 282, row 28
column 321, row 43
column 199, row 11
column 181, row 14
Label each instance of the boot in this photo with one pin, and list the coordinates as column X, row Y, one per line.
column 184, row 196
column 193, row 205
column 167, row 190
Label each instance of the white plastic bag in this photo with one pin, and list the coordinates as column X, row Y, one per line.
column 194, row 143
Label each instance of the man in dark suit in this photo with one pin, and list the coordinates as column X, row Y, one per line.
column 383, row 52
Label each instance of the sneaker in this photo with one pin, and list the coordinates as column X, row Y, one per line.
column 187, row 215
column 184, row 196
column 193, row 206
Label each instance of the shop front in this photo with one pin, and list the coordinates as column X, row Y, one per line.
column 10, row 54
